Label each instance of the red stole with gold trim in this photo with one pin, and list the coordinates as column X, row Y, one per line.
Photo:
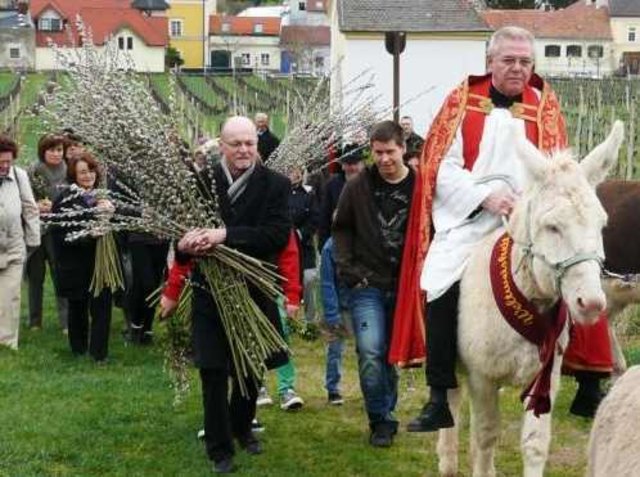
column 479, row 105
column 542, row 330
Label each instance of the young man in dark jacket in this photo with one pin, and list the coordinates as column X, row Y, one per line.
column 368, row 232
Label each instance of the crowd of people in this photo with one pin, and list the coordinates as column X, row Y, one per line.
column 346, row 247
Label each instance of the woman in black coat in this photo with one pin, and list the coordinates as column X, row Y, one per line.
column 76, row 260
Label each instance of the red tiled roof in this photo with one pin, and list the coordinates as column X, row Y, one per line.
column 244, row 25
column 574, row 22
column 104, row 17
column 70, row 8
column 306, row 35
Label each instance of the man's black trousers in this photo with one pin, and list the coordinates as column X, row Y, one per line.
column 442, row 339
column 225, row 418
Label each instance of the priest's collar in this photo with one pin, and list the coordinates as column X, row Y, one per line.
column 500, row 100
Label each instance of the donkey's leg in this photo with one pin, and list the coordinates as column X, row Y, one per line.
column 536, row 431
column 485, row 424
column 448, row 439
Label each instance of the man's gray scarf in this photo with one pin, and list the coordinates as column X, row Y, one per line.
column 237, row 187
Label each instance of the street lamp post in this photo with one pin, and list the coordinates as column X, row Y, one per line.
column 395, row 42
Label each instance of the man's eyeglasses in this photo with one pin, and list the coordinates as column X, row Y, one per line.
column 239, row 144
column 512, row 61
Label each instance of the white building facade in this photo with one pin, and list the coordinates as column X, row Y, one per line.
column 433, row 63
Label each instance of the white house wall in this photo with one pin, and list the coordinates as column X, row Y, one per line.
column 619, row 31
column 255, row 46
column 574, row 66
column 430, row 64
column 145, row 58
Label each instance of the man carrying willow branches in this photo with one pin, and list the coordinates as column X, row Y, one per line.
column 253, row 203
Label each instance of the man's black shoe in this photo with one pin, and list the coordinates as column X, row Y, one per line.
column 224, row 466
column 382, row 435
column 250, row 444
column 434, row 416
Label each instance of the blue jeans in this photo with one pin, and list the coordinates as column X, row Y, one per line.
column 372, row 313
column 334, row 365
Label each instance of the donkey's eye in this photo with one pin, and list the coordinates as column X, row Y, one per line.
column 554, row 229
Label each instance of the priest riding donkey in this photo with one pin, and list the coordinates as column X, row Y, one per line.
column 472, row 173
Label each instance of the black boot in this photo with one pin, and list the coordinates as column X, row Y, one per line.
column 588, row 397
column 435, row 414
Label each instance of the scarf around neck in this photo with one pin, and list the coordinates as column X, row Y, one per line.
column 237, row 186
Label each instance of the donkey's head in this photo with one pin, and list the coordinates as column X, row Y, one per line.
column 560, row 219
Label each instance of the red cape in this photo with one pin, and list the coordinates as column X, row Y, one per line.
column 408, row 334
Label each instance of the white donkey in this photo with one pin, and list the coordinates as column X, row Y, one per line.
column 615, row 443
column 556, row 229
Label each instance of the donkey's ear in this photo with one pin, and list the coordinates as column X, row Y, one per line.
column 598, row 162
column 535, row 162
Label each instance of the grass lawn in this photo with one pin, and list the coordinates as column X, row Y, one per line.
column 31, row 127
column 62, row 416
column 7, row 81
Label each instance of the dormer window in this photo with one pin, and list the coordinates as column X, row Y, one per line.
column 226, row 27
column 49, row 24
column 258, row 28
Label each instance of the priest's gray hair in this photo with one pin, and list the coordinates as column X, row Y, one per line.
column 508, row 33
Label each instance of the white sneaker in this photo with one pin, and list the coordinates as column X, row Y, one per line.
column 290, row 401
column 257, row 426
column 263, row 398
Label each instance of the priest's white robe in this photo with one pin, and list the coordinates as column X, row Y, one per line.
column 459, row 192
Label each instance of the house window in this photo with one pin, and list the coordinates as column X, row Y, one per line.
column 50, row 24
column 175, row 28
column 574, row 51
column 246, row 59
column 258, row 28
column 226, row 28
column 302, row 6
column 14, row 52
column 595, row 51
column 631, row 34
column 552, row 51
column 128, row 41
column 319, row 62
column 264, row 59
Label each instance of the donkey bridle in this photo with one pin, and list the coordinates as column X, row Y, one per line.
column 559, row 268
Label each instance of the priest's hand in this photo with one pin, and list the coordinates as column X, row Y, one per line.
column 500, row 202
